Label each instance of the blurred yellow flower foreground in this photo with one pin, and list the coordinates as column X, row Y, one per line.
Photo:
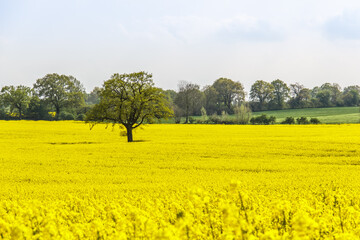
column 59, row 180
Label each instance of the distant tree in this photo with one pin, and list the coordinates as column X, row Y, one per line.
column 289, row 120
column 204, row 116
column 66, row 116
column 305, row 98
column 327, row 95
column 93, row 97
column 38, row 109
column 300, row 96
column 324, row 97
column 263, row 119
column 2, row 112
column 315, row 102
column 261, row 93
column 60, row 91
column 16, row 98
column 351, row 95
column 129, row 100
column 296, row 89
column 170, row 95
column 335, row 93
column 189, row 99
column 302, row 120
column 314, row 92
column 314, row 121
column 229, row 93
column 243, row 114
column 211, row 100
column 281, row 93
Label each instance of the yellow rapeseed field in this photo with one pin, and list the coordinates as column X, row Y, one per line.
column 59, row 180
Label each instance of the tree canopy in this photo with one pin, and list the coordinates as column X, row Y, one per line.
column 301, row 96
column 229, row 92
column 129, row 100
column 280, row 94
column 261, row 92
column 61, row 97
column 189, row 98
column 60, row 91
column 16, row 98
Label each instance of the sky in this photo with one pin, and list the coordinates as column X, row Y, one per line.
column 199, row 41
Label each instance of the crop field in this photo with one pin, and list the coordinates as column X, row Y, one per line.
column 59, row 180
column 332, row 115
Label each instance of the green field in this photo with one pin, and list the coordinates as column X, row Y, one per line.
column 333, row 115
column 325, row 115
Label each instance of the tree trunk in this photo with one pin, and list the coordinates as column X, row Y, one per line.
column 228, row 105
column 129, row 134
column 261, row 102
column 57, row 113
column 187, row 114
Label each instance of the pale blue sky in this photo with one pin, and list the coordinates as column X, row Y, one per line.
column 311, row 42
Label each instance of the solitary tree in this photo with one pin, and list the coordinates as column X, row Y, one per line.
column 129, row 100
column 16, row 98
column 60, row 91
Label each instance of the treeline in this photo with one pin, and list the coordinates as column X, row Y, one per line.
column 226, row 96
column 61, row 97
column 53, row 97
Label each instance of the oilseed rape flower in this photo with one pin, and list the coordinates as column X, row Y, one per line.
column 59, row 180
column 52, row 114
